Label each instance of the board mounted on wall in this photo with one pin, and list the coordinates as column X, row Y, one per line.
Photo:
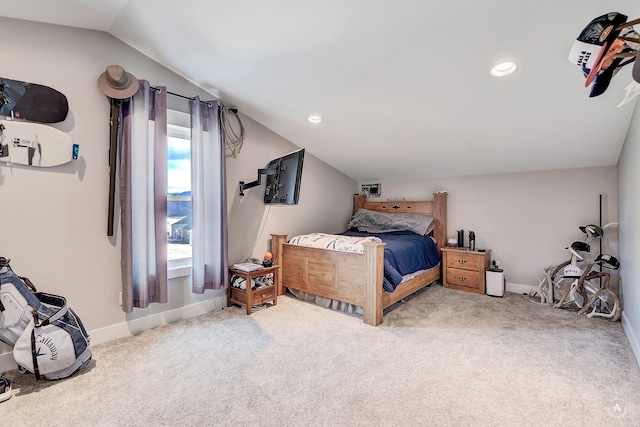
column 32, row 102
column 35, row 144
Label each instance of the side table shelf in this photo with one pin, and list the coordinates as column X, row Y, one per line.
column 251, row 297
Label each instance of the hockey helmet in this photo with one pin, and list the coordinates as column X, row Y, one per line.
column 608, row 261
column 580, row 246
column 592, row 231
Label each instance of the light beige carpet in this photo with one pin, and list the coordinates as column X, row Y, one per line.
column 442, row 358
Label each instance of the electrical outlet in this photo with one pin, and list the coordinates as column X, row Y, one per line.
column 371, row 190
column 120, row 299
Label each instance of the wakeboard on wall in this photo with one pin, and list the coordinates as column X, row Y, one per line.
column 31, row 101
column 35, row 144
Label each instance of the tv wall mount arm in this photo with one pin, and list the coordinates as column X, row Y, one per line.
column 255, row 183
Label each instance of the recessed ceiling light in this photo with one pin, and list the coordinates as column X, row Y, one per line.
column 503, row 69
column 315, row 119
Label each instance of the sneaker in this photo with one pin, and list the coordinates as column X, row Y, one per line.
column 5, row 389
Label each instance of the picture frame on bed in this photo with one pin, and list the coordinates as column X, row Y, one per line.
column 357, row 278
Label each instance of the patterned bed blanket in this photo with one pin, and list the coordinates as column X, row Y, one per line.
column 334, row 241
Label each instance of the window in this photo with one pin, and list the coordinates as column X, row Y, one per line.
column 179, row 194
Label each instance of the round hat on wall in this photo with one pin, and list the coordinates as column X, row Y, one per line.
column 116, row 83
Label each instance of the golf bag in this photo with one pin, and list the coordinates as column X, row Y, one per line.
column 47, row 337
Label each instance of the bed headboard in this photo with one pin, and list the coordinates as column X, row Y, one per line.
column 437, row 208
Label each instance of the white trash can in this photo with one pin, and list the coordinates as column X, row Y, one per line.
column 495, row 282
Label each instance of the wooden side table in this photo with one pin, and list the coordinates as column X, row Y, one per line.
column 251, row 297
column 464, row 269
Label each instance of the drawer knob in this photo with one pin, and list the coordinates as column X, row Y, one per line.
column 462, row 261
column 462, row 278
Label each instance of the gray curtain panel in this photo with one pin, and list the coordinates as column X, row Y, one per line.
column 143, row 197
column 208, row 197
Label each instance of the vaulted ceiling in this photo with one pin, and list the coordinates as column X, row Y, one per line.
column 403, row 87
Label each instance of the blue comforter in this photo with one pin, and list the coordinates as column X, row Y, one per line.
column 405, row 252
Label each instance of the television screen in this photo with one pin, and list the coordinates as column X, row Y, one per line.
column 284, row 187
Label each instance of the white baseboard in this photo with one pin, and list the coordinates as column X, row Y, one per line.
column 517, row 288
column 133, row 327
column 631, row 336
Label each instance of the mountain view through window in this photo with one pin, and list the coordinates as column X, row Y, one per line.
column 179, row 198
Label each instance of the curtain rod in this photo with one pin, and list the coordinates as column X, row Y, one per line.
column 190, row 98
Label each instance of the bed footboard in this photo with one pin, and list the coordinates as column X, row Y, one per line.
column 350, row 277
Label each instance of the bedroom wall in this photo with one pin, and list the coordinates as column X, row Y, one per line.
column 325, row 197
column 527, row 219
column 629, row 205
column 54, row 220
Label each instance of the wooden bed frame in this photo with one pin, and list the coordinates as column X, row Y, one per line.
column 357, row 278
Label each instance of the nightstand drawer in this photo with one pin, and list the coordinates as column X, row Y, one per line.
column 470, row 261
column 267, row 293
column 464, row 278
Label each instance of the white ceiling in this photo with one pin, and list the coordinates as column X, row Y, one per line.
column 403, row 86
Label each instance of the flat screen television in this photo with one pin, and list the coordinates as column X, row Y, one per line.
column 283, row 187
